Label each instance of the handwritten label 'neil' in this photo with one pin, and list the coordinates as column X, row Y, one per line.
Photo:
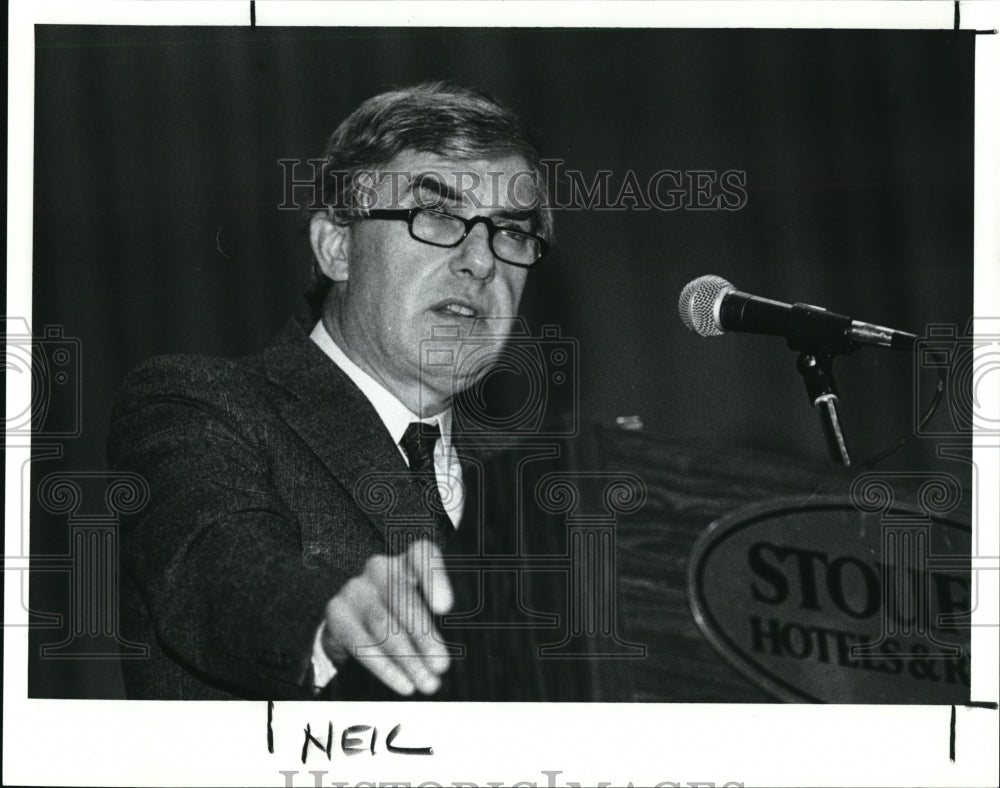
column 353, row 740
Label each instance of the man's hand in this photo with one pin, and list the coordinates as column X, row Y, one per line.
column 384, row 618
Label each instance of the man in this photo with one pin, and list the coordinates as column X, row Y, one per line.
column 268, row 564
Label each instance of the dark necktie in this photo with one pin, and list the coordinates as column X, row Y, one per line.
column 418, row 444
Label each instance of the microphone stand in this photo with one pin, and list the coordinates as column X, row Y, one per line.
column 816, row 369
column 819, row 339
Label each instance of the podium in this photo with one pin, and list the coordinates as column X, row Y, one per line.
column 621, row 567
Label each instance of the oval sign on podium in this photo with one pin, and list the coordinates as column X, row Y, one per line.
column 815, row 600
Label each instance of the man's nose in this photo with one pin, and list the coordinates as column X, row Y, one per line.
column 474, row 256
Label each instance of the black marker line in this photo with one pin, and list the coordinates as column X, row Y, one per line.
column 253, row 13
column 270, row 729
column 951, row 746
column 958, row 22
column 972, row 704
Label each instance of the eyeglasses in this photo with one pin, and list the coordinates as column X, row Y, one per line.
column 444, row 229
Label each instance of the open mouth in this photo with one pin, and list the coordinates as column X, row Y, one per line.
column 456, row 309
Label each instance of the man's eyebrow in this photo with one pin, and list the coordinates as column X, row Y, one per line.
column 440, row 188
column 432, row 183
column 516, row 215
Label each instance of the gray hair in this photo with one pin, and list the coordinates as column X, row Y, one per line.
column 435, row 117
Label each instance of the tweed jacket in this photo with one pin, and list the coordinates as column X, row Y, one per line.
column 255, row 468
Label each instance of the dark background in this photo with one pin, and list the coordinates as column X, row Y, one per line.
column 157, row 228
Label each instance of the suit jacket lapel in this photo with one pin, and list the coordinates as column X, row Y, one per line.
column 338, row 423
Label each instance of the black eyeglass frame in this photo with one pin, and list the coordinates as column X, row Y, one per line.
column 409, row 214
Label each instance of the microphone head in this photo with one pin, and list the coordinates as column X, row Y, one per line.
column 699, row 304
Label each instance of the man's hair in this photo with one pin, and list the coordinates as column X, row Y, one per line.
column 434, row 117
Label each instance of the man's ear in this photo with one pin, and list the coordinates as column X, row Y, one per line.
column 331, row 243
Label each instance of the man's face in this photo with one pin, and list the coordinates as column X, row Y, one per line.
column 398, row 292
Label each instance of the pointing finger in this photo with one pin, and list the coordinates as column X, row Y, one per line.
column 423, row 556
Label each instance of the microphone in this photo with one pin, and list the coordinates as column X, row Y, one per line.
column 710, row 306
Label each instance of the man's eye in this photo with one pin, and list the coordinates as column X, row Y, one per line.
column 515, row 230
column 518, row 238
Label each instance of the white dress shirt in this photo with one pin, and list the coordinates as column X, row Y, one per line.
column 396, row 417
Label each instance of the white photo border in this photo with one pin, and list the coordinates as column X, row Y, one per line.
column 50, row 742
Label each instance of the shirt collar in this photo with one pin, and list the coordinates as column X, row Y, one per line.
column 393, row 413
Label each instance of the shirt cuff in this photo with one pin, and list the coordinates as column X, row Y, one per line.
column 322, row 665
